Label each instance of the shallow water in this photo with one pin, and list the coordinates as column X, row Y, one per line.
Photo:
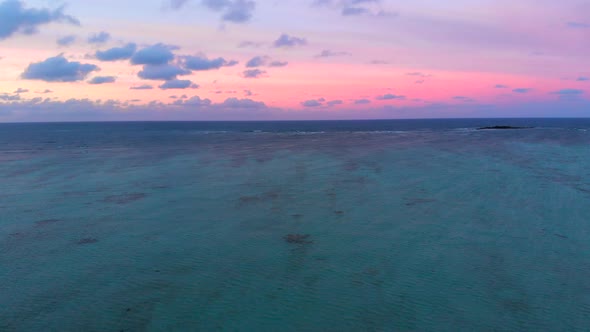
column 297, row 226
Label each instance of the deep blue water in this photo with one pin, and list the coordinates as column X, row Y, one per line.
column 424, row 225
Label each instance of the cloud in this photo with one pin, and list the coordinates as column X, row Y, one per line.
column 362, row 101
column 246, row 44
column 239, row 11
column 7, row 97
column 236, row 11
column 285, row 40
column 157, row 54
column 578, row 25
column 583, row 79
column 164, row 72
column 216, row 4
column 21, row 90
column 253, row 73
column 311, row 103
column 464, row 99
column 195, row 101
column 248, row 92
column 389, row 96
column 102, row 79
column 522, row 90
column 202, row 63
column 257, row 61
column 501, row 86
column 142, row 87
column 46, row 91
column 568, row 92
column 262, row 60
column 354, row 11
column 99, row 38
column 329, row 53
column 58, row 69
column 378, row 62
column 356, row 2
column 355, row 7
column 178, row 84
column 320, row 3
column 419, row 74
column 569, row 95
column 278, row 64
column 66, row 40
column 234, row 103
column 15, row 18
column 335, row 102
column 195, row 108
column 177, row 4
column 117, row 53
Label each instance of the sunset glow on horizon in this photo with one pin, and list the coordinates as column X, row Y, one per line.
column 312, row 59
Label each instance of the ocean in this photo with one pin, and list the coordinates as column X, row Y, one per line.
column 393, row 225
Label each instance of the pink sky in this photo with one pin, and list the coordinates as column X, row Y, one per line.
column 335, row 59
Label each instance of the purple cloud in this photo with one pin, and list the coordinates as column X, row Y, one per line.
column 362, row 101
column 312, row 103
column 15, row 18
column 257, row 61
column 354, row 11
column 330, row 53
column 522, row 90
column 117, row 53
column 253, row 73
column 464, row 99
column 142, row 87
column 99, row 38
column 157, row 54
column 164, row 72
column 236, row 103
column 235, row 11
column 389, row 96
column 285, row 40
column 199, row 63
column 578, row 25
column 58, row 69
column 66, row 40
column 178, row 84
column 278, row 64
column 569, row 92
column 195, row 101
column 102, row 80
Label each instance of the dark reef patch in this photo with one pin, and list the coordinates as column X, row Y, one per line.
column 87, row 240
column 267, row 196
column 417, row 201
column 46, row 222
column 124, row 198
column 298, row 238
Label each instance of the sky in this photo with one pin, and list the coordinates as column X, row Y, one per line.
column 110, row 60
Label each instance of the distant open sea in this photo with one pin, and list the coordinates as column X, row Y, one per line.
column 401, row 225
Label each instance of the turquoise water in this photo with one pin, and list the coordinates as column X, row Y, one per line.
column 394, row 226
